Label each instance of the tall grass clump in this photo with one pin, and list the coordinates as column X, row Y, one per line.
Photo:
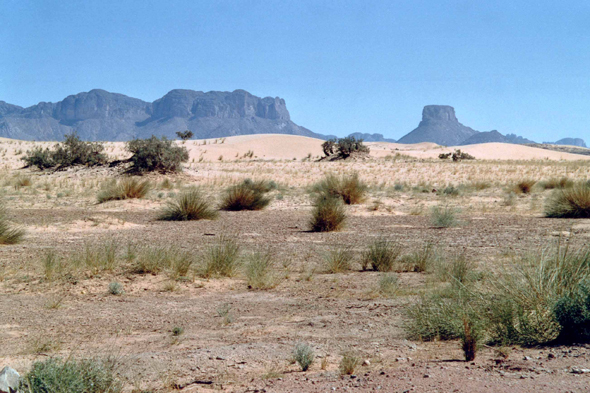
column 8, row 233
column 248, row 195
column 259, row 271
column 571, row 202
column 443, row 217
column 71, row 376
column 222, row 259
column 524, row 186
column 338, row 259
column 189, row 205
column 381, row 255
column 127, row 188
column 555, row 183
column 328, row 214
column 155, row 260
column 350, row 188
column 421, row 260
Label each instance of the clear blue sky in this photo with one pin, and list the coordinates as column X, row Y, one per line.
column 343, row 66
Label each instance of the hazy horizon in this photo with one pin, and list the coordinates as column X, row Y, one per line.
column 342, row 67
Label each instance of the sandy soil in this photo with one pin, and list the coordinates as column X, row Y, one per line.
column 239, row 340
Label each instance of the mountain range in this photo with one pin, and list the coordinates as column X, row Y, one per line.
column 101, row 115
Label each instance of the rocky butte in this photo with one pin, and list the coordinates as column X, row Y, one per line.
column 105, row 116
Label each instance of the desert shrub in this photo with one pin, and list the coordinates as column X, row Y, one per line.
column 554, row 183
column 8, row 233
column 127, row 188
column 349, row 363
column 569, row 203
column 381, row 255
column 459, row 155
column 95, row 257
column 524, row 186
column 434, row 317
column 329, row 147
column 115, row 288
column 184, row 135
column 445, row 156
column 303, row 355
column 350, row 145
column 349, row 188
column 328, row 214
column 71, row 376
column 388, row 285
column 259, row 271
column 248, row 195
column 480, row 185
column 22, row 181
column 572, row 312
column 443, row 217
column 189, row 205
column 222, row 259
column 338, row 259
column 450, row 190
column 72, row 151
column 39, row 157
column 156, row 155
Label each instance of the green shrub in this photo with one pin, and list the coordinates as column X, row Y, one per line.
column 222, row 259
column 338, row 259
column 190, row 205
column 303, row 355
column 347, row 187
column 72, row 151
column 350, row 145
column 381, row 255
column 443, row 217
column 9, row 234
column 247, row 195
column 259, row 271
column 71, row 376
column 572, row 312
column 569, row 203
column 328, row 215
column 116, row 288
column 40, row 158
column 156, row 155
column 127, row 188
column 434, row 318
column 185, row 135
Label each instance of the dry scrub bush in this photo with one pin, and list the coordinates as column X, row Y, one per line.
column 72, row 151
column 303, row 355
column 190, row 205
column 156, row 155
column 328, row 215
column 524, row 186
column 349, row 363
column 349, row 188
column 127, row 188
column 571, row 202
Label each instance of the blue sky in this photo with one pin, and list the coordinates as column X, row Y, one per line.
column 342, row 66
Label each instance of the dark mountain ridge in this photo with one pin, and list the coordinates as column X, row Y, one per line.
column 101, row 115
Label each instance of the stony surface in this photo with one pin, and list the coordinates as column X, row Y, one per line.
column 9, row 380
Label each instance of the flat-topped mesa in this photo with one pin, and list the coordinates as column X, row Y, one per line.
column 439, row 113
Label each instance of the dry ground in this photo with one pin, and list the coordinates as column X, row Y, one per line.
column 241, row 340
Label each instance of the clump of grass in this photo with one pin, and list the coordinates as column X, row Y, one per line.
column 571, row 202
column 328, row 215
column 259, row 271
column 381, row 255
column 73, row 376
column 450, row 190
column 96, row 257
column 248, row 195
column 9, row 234
column 51, row 264
column 421, row 260
column 443, row 217
column 115, row 288
column 388, row 285
column 190, row 205
column 524, row 186
column 304, row 356
column 349, row 363
column 126, row 188
column 154, row 260
column 349, row 188
column 338, row 259
column 222, row 259
column 555, row 183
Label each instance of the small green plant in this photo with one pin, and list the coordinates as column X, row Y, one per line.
column 190, row 205
column 443, row 217
column 338, row 259
column 71, row 376
column 381, row 255
column 247, row 195
column 222, row 259
column 156, row 155
column 51, row 264
column 571, row 202
column 9, row 234
column 349, row 363
column 304, row 356
column 328, row 215
column 127, row 188
column 116, row 288
column 259, row 271
column 177, row 331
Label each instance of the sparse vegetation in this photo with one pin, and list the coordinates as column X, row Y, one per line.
column 524, row 186
column 115, row 288
column 304, row 356
column 72, row 151
column 222, row 259
column 344, row 147
column 259, row 271
column 328, row 215
column 188, row 206
column 349, row 188
column 126, row 188
column 185, row 135
column 8, row 233
column 338, row 259
column 388, row 285
column 248, row 195
column 571, row 202
column 381, row 255
column 349, row 363
column 156, row 155
column 443, row 217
